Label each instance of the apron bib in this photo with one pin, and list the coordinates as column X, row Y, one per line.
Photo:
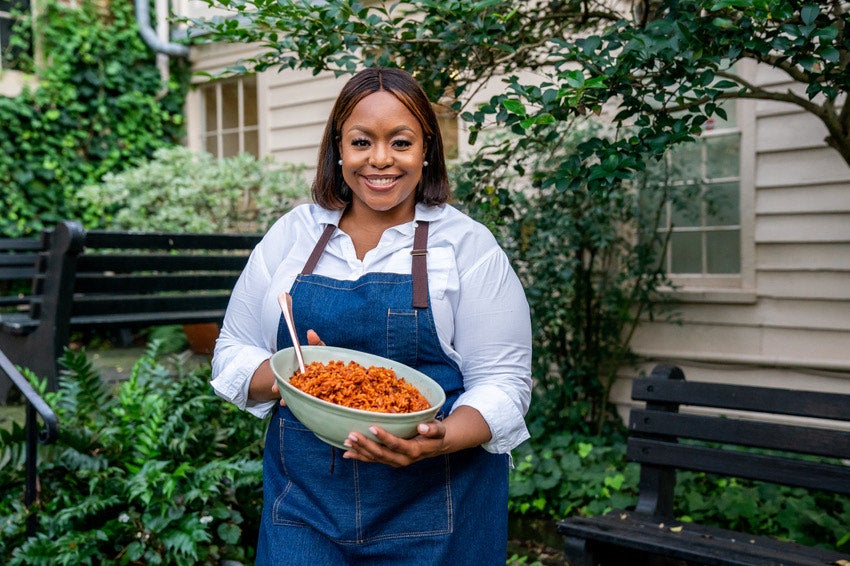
column 320, row 509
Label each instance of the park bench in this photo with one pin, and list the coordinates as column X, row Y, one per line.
column 782, row 436
column 101, row 279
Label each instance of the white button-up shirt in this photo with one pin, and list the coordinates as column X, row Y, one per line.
column 479, row 308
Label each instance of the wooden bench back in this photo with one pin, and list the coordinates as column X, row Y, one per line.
column 118, row 279
column 744, row 431
column 135, row 279
column 17, row 269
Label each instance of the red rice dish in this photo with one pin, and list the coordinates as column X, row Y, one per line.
column 376, row 389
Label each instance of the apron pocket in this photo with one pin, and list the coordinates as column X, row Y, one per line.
column 402, row 337
column 406, row 502
column 351, row 501
column 313, row 487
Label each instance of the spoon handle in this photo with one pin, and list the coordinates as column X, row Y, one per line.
column 285, row 300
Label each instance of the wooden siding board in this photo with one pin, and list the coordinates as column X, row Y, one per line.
column 799, row 312
column 297, row 138
column 314, row 114
column 811, row 283
column 772, row 133
column 800, row 228
column 834, row 197
column 804, row 256
column 750, row 345
column 800, row 167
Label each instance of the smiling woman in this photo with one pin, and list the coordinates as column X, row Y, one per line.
column 376, row 266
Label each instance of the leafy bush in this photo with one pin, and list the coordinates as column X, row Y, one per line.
column 99, row 105
column 180, row 190
column 158, row 471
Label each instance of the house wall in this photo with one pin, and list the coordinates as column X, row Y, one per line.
column 293, row 105
column 785, row 322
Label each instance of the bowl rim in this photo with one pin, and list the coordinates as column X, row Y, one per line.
column 434, row 408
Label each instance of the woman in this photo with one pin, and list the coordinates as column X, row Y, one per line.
column 383, row 265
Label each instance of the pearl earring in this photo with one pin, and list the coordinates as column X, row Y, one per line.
column 339, row 162
column 424, row 164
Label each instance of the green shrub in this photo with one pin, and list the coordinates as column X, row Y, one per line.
column 570, row 474
column 180, row 190
column 156, row 471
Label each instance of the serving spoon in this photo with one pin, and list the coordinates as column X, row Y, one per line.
column 285, row 300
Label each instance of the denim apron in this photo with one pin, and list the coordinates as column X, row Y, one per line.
column 320, row 509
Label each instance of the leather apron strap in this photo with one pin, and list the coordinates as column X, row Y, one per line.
column 420, row 266
column 419, row 253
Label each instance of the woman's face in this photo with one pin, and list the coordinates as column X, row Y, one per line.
column 383, row 149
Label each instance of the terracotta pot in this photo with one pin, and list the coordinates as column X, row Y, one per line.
column 202, row 337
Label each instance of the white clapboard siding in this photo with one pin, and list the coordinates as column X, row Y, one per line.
column 792, row 328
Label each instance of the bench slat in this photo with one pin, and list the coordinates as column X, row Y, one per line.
column 16, row 260
column 94, row 305
column 158, row 240
column 698, row 543
column 21, row 244
column 156, row 318
column 154, row 283
column 776, row 469
column 745, row 398
column 130, row 263
column 776, row 436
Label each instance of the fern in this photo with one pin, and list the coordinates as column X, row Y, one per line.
column 156, row 471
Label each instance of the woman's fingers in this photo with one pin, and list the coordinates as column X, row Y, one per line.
column 313, row 338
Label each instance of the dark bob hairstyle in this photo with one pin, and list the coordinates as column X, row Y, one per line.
column 329, row 188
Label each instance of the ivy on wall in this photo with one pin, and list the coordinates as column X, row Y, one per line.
column 99, row 106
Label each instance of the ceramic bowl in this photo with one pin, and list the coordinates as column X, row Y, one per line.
column 332, row 423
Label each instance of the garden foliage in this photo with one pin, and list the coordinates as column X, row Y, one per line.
column 98, row 105
column 182, row 191
column 153, row 470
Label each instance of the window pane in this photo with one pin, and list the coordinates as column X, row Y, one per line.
column 686, row 252
column 249, row 93
column 252, row 143
column 723, row 205
column 230, row 144
column 208, row 97
column 723, row 251
column 687, row 212
column 229, row 105
column 722, row 156
column 685, row 162
column 211, row 144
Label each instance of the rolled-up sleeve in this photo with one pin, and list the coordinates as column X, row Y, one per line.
column 493, row 337
column 241, row 346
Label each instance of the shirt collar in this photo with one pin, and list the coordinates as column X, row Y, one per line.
column 423, row 213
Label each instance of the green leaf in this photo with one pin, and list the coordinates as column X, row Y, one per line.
column 514, row 106
column 809, row 12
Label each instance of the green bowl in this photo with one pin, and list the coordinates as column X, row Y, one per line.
column 332, row 423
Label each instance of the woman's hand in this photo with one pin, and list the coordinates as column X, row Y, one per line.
column 263, row 385
column 464, row 428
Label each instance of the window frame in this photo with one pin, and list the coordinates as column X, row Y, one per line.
column 202, row 133
column 711, row 287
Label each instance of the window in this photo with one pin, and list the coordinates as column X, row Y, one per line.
column 704, row 215
column 11, row 51
column 229, row 117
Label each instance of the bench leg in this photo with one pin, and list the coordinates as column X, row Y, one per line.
column 577, row 552
column 5, row 388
